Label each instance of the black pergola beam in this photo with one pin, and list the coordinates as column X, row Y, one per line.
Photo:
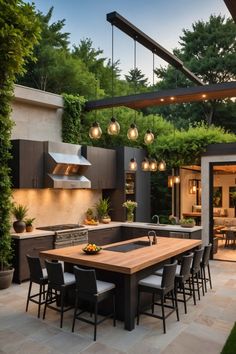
column 231, row 5
column 125, row 26
column 166, row 97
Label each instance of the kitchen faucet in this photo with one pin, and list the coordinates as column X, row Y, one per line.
column 157, row 217
column 152, row 232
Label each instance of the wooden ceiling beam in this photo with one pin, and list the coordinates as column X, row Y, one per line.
column 231, row 5
column 166, row 97
column 125, row 26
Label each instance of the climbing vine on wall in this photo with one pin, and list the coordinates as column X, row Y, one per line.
column 71, row 118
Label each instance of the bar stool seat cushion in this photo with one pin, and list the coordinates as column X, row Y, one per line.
column 45, row 273
column 69, row 278
column 103, row 286
column 152, row 281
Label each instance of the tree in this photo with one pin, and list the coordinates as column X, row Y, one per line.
column 136, row 78
column 209, row 51
column 19, row 32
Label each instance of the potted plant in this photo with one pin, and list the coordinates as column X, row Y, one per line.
column 130, row 206
column 233, row 197
column 89, row 214
column 103, row 209
column 19, row 211
column 29, row 224
column 90, row 219
column 187, row 222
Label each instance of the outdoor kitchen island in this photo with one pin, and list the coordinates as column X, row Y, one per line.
column 124, row 268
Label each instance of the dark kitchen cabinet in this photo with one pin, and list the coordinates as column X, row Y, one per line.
column 105, row 236
column 102, row 172
column 31, row 246
column 128, row 233
column 27, row 164
column 130, row 185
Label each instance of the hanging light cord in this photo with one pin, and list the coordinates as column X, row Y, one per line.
column 135, row 81
column 112, row 66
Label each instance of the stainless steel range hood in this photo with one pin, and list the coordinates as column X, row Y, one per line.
column 65, row 166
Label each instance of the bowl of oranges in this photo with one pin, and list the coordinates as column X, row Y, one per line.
column 91, row 248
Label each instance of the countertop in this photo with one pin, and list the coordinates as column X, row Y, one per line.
column 128, row 262
column 143, row 225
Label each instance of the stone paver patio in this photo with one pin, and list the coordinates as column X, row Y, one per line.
column 203, row 330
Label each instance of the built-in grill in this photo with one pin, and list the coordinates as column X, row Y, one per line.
column 67, row 234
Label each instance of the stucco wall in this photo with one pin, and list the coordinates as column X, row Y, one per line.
column 187, row 199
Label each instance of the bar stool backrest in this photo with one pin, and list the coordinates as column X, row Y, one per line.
column 168, row 277
column 197, row 257
column 55, row 274
column 206, row 255
column 35, row 268
column 230, row 235
column 85, row 280
column 186, row 266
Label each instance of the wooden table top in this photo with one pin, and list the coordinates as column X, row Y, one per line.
column 127, row 263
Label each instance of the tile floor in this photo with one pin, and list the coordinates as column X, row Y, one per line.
column 225, row 253
column 203, row 330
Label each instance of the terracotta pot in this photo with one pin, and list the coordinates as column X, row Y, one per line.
column 6, row 277
column 106, row 220
column 19, row 226
column 29, row 228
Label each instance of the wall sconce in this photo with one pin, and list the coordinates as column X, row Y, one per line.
column 170, row 181
column 192, row 186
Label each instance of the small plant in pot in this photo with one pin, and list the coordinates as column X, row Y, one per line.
column 19, row 211
column 103, row 209
column 29, row 224
column 187, row 222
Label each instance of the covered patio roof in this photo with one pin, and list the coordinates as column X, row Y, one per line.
column 166, row 97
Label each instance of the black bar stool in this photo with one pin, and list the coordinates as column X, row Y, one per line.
column 39, row 276
column 205, row 264
column 94, row 291
column 58, row 281
column 196, row 274
column 160, row 286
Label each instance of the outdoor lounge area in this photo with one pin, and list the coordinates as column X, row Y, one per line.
column 204, row 328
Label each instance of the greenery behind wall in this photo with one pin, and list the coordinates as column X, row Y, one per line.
column 19, row 31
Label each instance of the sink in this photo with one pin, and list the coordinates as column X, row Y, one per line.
column 127, row 247
column 154, row 224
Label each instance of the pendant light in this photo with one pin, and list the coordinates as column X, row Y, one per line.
column 145, row 164
column 133, row 164
column 153, row 165
column 95, row 132
column 162, row 166
column 132, row 133
column 148, row 137
column 113, row 126
column 170, row 181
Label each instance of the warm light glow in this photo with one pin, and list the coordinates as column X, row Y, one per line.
column 145, row 164
column 203, row 96
column 95, row 131
column 162, row 100
column 176, row 179
column 162, row 166
column 113, row 127
column 172, row 98
column 153, row 165
column 170, row 181
column 148, row 137
column 132, row 164
column 132, row 133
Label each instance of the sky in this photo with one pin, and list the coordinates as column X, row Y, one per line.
column 162, row 20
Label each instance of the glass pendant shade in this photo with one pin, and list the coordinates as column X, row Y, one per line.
column 176, row 179
column 148, row 137
column 153, row 165
column 170, row 181
column 113, row 127
column 133, row 164
column 145, row 165
column 132, row 133
column 162, row 166
column 95, row 131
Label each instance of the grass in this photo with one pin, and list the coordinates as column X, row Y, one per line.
column 230, row 345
